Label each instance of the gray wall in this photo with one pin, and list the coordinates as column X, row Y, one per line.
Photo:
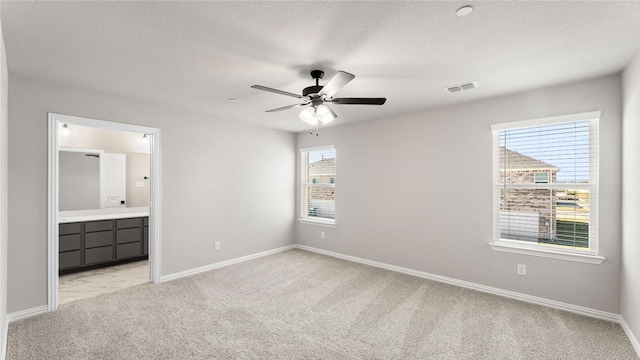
column 4, row 80
column 630, row 297
column 210, row 191
column 78, row 181
column 416, row 191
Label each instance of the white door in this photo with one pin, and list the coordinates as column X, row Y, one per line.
column 113, row 180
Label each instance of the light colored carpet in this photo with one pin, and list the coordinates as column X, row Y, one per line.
column 301, row 305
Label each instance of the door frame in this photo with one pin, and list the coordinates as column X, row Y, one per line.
column 55, row 121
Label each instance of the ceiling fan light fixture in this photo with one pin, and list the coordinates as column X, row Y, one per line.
column 315, row 115
column 324, row 115
column 309, row 116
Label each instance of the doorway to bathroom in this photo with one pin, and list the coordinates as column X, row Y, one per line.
column 104, row 206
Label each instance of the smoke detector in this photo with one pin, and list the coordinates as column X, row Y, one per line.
column 461, row 87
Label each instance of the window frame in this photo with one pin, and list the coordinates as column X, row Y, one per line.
column 521, row 247
column 304, row 186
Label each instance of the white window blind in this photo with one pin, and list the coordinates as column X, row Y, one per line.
column 545, row 183
column 318, row 184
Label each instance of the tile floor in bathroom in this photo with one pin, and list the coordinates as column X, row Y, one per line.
column 94, row 282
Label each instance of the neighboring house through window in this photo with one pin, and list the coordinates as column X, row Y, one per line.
column 545, row 187
column 318, row 185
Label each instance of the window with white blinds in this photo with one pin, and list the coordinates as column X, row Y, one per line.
column 546, row 183
column 318, row 184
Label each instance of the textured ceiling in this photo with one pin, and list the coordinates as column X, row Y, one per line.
column 197, row 55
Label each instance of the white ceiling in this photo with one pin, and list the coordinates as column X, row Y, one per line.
column 197, row 55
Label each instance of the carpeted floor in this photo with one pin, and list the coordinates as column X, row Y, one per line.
column 302, row 305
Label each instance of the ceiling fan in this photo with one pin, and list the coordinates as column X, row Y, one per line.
column 318, row 97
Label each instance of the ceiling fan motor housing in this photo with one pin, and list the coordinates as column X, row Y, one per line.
column 311, row 90
column 316, row 75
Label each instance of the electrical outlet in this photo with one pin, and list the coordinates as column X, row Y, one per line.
column 522, row 269
column 321, row 234
column 216, row 245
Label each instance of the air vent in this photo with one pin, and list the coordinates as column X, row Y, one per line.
column 461, row 87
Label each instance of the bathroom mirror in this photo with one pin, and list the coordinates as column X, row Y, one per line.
column 96, row 179
column 102, row 168
column 79, row 180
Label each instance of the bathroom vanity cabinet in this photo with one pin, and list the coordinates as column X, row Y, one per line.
column 90, row 244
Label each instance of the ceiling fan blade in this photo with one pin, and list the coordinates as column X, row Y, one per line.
column 357, row 101
column 287, row 107
column 340, row 79
column 286, row 93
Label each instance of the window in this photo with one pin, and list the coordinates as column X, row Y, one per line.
column 541, row 177
column 545, row 187
column 318, row 185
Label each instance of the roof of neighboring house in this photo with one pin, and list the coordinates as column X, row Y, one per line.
column 519, row 161
column 323, row 167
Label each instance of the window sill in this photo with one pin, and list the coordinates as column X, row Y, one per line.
column 548, row 253
column 319, row 222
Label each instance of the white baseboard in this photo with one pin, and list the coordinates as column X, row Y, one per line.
column 598, row 314
column 23, row 314
column 630, row 335
column 218, row 265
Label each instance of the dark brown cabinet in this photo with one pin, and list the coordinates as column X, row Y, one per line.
column 70, row 245
column 129, row 238
column 103, row 242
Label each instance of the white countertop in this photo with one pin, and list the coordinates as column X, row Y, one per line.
column 101, row 214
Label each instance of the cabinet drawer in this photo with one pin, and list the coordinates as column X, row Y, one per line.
column 71, row 228
column 128, row 235
column 145, row 221
column 127, row 250
column 98, row 225
column 128, row 223
column 69, row 242
column 96, row 239
column 96, row 255
column 69, row 259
